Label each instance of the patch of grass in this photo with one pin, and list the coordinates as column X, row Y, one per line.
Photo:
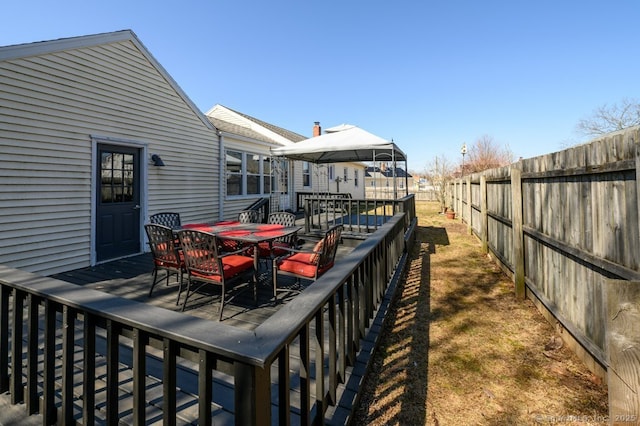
column 459, row 348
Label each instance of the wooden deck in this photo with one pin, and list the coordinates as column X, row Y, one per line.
column 131, row 278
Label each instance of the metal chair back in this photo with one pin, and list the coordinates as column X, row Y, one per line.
column 169, row 219
column 248, row 216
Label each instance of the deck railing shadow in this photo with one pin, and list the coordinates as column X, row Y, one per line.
column 87, row 356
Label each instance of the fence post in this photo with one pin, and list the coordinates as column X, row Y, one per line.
column 637, row 146
column 622, row 300
column 469, row 208
column 518, row 235
column 484, row 216
column 459, row 202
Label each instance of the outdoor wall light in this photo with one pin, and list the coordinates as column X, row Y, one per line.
column 157, row 161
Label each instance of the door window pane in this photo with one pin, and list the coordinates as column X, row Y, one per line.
column 117, row 177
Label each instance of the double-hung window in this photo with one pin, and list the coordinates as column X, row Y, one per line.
column 247, row 173
column 306, row 174
column 234, row 173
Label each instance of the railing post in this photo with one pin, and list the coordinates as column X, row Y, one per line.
column 307, row 215
column 4, row 338
column 518, row 235
column 252, row 393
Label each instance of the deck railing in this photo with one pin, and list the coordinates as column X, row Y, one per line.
column 302, row 196
column 79, row 355
column 358, row 216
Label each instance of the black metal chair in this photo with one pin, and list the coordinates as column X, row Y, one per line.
column 206, row 265
column 308, row 264
column 249, row 216
column 166, row 255
column 276, row 248
column 169, row 219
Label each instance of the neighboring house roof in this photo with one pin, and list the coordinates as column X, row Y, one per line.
column 238, row 123
column 387, row 173
column 45, row 47
column 239, row 130
column 288, row 134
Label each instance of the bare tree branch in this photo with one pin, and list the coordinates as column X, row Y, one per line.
column 439, row 174
column 607, row 119
column 485, row 154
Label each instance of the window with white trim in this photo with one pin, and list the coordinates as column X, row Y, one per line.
column 247, row 173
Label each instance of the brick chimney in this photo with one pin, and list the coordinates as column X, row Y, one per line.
column 317, row 130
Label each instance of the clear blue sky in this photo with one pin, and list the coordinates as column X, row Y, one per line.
column 431, row 75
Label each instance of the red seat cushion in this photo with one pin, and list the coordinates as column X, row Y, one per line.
column 232, row 266
column 235, row 264
column 301, row 267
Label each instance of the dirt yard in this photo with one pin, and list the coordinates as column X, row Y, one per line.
column 460, row 349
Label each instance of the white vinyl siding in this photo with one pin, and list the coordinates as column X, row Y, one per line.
column 50, row 107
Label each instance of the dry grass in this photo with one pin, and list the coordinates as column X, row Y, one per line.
column 460, row 349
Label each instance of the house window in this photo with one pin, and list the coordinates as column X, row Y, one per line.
column 234, row 173
column 355, row 178
column 306, row 173
column 253, row 174
column 247, row 173
column 332, row 172
column 345, row 175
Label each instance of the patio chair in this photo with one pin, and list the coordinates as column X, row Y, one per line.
column 205, row 265
column 169, row 219
column 308, row 264
column 166, row 255
column 275, row 248
column 249, row 216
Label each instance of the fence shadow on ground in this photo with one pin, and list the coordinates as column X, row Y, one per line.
column 400, row 367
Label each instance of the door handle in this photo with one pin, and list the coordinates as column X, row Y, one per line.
column 136, row 207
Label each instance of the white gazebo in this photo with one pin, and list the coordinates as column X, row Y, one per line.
column 345, row 143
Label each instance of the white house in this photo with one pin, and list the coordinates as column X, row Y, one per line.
column 247, row 142
column 95, row 136
column 80, row 119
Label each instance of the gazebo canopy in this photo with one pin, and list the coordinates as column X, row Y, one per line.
column 345, row 143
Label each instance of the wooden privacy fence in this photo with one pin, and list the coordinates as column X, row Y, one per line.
column 562, row 225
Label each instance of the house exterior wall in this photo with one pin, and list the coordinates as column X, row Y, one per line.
column 53, row 107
